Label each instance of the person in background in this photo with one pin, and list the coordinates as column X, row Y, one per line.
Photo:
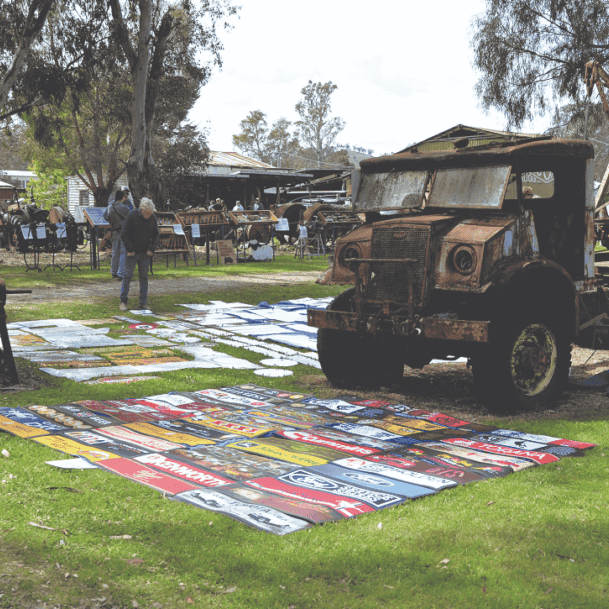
column 115, row 216
column 238, row 206
column 527, row 193
column 140, row 236
column 302, row 231
column 257, row 205
column 128, row 202
column 303, row 239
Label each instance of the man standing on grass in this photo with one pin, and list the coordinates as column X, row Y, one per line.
column 141, row 236
column 115, row 216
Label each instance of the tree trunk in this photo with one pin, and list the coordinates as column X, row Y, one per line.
column 139, row 78
column 33, row 26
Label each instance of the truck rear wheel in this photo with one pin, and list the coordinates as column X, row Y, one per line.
column 350, row 359
column 526, row 367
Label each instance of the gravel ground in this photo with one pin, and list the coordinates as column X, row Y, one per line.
column 110, row 288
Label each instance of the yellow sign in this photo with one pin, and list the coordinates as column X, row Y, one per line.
column 173, row 436
column 19, row 429
column 231, row 427
column 277, row 453
column 413, row 423
column 393, row 428
column 65, row 445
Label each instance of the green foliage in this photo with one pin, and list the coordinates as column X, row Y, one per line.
column 50, row 188
column 312, row 143
column 178, row 151
column 12, row 154
column 531, row 53
column 254, row 133
column 316, row 127
column 275, row 146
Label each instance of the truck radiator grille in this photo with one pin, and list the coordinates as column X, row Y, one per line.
column 390, row 281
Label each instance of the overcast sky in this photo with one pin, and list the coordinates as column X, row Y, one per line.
column 403, row 69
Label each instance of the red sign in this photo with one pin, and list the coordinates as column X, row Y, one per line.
column 144, row 475
column 184, row 471
column 346, row 507
column 541, row 458
column 309, row 438
column 573, row 444
column 444, row 419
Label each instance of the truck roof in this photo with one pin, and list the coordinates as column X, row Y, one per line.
column 500, row 154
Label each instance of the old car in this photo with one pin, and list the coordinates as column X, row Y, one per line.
column 481, row 252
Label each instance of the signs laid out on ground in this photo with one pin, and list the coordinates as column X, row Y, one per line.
column 278, row 461
column 69, row 349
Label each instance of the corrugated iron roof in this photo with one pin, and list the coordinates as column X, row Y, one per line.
column 234, row 159
column 478, row 136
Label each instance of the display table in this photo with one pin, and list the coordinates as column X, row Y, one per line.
column 254, row 224
column 172, row 239
column 201, row 224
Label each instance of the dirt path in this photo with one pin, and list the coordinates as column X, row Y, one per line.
column 203, row 284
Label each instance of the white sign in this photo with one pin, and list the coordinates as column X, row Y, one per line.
column 282, row 225
column 196, row 231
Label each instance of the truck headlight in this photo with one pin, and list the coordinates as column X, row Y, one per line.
column 464, row 260
column 351, row 252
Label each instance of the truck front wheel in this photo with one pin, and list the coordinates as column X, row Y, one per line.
column 525, row 367
column 351, row 359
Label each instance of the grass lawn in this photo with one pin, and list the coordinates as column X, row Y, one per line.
column 536, row 539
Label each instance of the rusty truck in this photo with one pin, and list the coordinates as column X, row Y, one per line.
column 480, row 252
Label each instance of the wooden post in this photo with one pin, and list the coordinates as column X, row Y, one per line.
column 207, row 245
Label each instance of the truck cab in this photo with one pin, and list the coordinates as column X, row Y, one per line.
column 484, row 252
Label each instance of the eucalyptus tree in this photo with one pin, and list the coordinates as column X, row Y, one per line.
column 252, row 139
column 163, row 42
column 317, row 128
column 44, row 46
column 20, row 24
column 531, row 53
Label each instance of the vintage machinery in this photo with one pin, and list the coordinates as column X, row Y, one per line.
column 469, row 262
column 30, row 229
column 337, row 223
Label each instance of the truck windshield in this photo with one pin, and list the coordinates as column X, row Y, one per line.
column 395, row 190
column 470, row 187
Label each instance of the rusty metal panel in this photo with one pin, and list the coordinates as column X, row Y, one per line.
column 455, row 329
column 335, row 320
column 394, row 190
column 390, row 280
column 472, row 233
column 470, row 187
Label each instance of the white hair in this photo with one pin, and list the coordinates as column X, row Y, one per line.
column 147, row 204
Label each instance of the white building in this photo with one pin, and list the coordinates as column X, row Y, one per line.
column 79, row 194
column 20, row 178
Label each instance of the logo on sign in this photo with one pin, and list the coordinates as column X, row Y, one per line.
column 311, row 481
column 368, row 479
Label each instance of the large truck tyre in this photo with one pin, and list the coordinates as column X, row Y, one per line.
column 526, row 366
column 357, row 359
